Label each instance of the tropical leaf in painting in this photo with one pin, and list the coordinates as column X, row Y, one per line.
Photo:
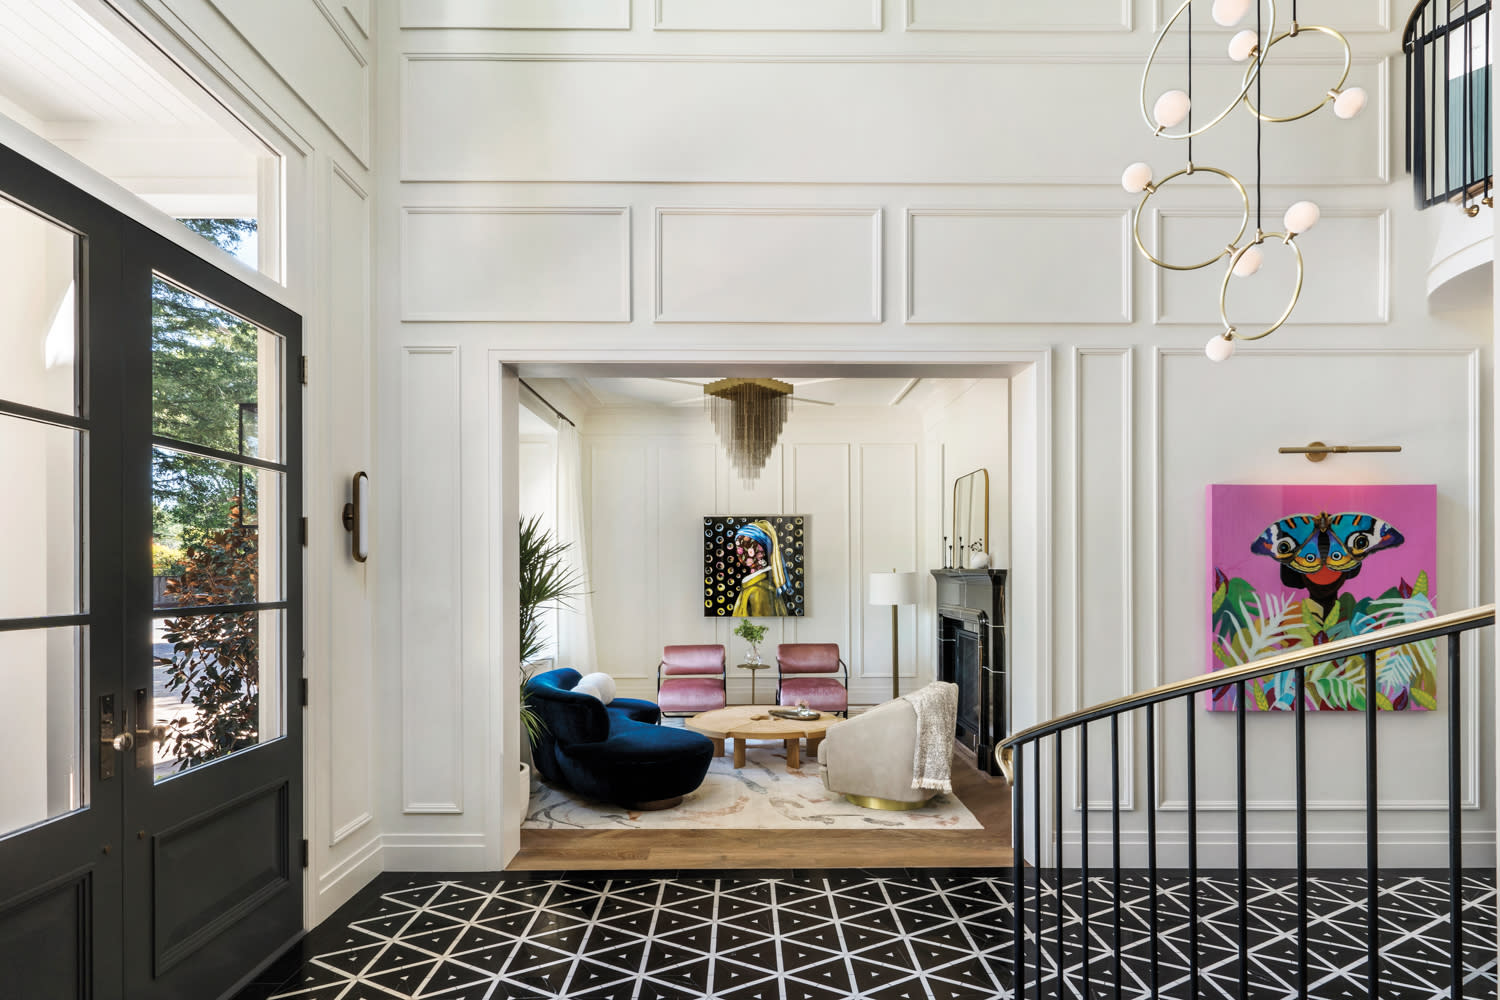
column 1422, row 698
column 1339, row 692
column 1270, row 621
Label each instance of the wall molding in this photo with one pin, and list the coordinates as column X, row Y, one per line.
column 618, row 18
column 876, row 21
column 1127, row 258
column 626, row 250
column 1126, row 23
column 1127, row 568
column 1472, row 764
column 1381, row 24
column 875, row 215
column 416, row 661
column 1383, row 292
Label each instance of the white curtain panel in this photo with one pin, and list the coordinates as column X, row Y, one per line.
column 575, row 625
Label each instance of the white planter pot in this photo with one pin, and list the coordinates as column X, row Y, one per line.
column 521, row 791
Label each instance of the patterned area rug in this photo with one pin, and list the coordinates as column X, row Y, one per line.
column 763, row 795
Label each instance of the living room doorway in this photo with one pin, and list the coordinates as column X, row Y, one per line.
column 623, row 470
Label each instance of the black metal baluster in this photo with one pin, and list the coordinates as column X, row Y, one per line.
column 1242, row 852
column 1018, row 843
column 1372, row 832
column 1155, row 967
column 1302, row 832
column 1083, row 792
column 1057, row 824
column 1036, row 843
column 1447, row 49
column 1192, row 842
column 1114, row 790
column 1455, row 828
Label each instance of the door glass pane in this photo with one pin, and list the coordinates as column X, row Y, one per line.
column 38, row 312
column 215, row 378
column 216, row 531
column 42, row 757
column 40, row 519
column 219, row 685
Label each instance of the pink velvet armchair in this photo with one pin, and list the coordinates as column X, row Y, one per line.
column 808, row 671
column 690, row 679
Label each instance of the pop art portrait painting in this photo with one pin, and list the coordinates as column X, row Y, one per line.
column 754, row 567
column 1298, row 566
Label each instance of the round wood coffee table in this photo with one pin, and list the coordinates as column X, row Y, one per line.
column 752, row 722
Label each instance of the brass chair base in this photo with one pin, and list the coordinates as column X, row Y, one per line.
column 656, row 804
column 891, row 805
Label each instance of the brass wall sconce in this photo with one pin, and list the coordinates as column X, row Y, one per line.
column 357, row 517
column 1316, row 451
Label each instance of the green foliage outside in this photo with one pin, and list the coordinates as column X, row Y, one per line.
column 1249, row 626
column 203, row 367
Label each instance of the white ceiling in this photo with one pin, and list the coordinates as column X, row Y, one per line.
column 686, row 391
column 122, row 108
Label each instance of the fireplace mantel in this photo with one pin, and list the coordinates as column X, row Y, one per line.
column 971, row 654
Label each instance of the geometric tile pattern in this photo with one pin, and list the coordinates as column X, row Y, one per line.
column 901, row 935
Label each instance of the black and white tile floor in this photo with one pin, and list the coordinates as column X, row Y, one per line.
column 887, row 935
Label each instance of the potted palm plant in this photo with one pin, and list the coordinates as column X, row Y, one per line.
column 547, row 582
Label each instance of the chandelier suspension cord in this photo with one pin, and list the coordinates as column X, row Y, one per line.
column 1259, row 75
column 1190, row 85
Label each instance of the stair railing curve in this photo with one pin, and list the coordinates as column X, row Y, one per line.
column 1036, row 964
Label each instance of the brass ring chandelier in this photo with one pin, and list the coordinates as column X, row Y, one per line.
column 1174, row 107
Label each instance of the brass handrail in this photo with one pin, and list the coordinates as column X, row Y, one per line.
column 1398, row 635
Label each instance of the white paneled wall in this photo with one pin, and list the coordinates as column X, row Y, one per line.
column 654, row 475
column 933, row 182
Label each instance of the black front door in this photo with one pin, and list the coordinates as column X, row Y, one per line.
column 150, row 595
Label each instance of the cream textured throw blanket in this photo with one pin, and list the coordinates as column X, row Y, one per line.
column 937, row 713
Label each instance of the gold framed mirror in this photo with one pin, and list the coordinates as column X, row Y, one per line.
column 971, row 517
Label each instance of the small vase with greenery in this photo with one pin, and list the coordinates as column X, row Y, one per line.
column 753, row 634
column 547, row 582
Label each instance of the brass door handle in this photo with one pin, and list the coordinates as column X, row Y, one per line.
column 124, row 742
column 155, row 734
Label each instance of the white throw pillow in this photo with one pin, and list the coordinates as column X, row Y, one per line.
column 601, row 686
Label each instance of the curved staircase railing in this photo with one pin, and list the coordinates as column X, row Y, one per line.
column 1448, row 110
column 1039, row 962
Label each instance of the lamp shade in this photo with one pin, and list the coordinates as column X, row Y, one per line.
column 895, row 588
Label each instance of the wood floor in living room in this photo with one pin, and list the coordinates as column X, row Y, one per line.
column 601, row 850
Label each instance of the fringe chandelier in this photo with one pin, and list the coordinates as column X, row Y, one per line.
column 1174, row 108
column 748, row 415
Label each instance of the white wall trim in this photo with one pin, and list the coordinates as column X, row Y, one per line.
column 876, row 22
column 1126, row 23
column 875, row 214
column 1127, row 577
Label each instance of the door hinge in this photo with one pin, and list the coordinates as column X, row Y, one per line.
column 303, row 369
column 302, row 527
column 304, row 692
column 304, row 853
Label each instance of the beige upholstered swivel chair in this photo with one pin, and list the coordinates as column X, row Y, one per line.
column 869, row 758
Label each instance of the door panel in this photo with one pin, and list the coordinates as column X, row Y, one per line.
column 213, row 817
column 150, row 767
column 60, row 608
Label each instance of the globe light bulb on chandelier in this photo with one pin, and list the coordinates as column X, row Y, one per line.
column 1228, row 13
column 1249, row 262
column 1220, row 348
column 1349, row 103
column 1301, row 217
column 1136, row 178
column 1243, row 45
column 1248, row 247
column 1171, row 108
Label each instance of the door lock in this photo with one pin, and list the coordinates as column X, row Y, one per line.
column 124, row 742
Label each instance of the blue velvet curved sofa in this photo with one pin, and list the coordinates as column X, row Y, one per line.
column 614, row 753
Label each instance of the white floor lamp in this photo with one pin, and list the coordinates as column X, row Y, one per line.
column 895, row 589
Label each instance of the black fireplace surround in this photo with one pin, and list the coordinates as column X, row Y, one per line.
column 971, row 654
